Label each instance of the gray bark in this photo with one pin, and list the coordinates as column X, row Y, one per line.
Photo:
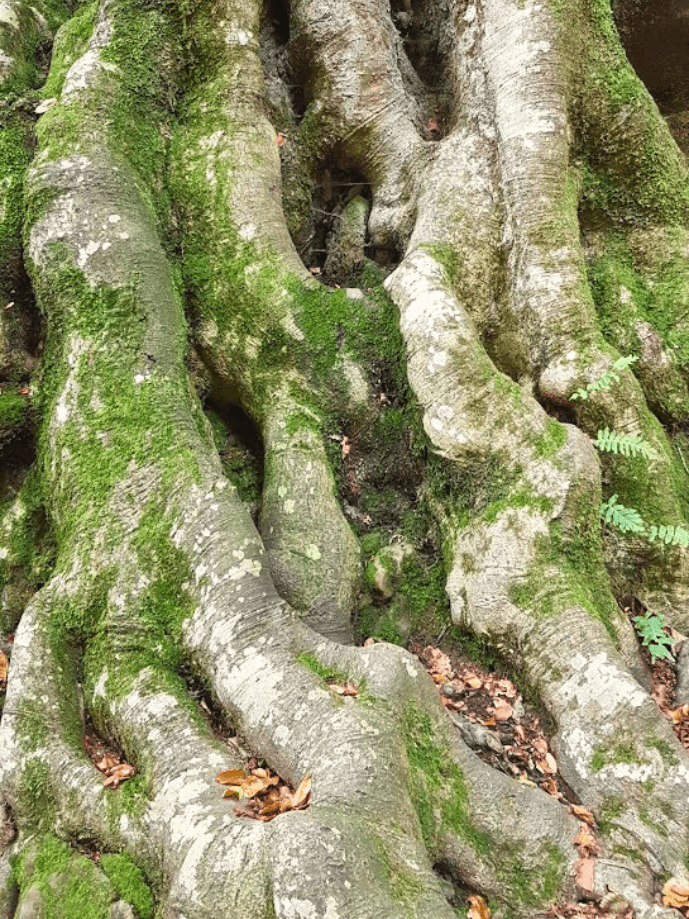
column 501, row 177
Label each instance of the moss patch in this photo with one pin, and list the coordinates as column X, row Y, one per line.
column 128, row 882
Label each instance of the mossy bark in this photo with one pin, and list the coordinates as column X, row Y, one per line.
column 529, row 211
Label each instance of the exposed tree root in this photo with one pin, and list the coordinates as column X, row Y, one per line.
column 159, row 567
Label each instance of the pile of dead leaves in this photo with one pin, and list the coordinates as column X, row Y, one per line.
column 676, row 894
column 265, row 794
column 115, row 769
column 516, row 744
column 608, row 908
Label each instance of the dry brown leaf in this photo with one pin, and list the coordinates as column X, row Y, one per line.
column 350, row 690
column 583, row 814
column 584, row 872
column 540, row 745
column 551, row 787
column 233, row 791
column 478, row 908
column 369, row 642
column 301, row 795
column 3, row 667
column 118, row 774
column 346, row 447
column 281, row 138
column 678, row 715
column 586, row 842
column 503, row 711
column 473, row 682
column 551, row 763
column 676, row 893
column 231, row 776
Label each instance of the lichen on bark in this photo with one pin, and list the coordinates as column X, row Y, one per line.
column 499, row 217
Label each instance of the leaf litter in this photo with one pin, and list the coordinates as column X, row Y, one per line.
column 107, row 760
column 265, row 794
column 490, row 714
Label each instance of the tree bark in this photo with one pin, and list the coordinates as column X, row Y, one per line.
column 388, row 242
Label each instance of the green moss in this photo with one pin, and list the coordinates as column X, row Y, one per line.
column 437, row 786
column 438, row 791
column 655, row 825
column 618, row 751
column 657, row 293
column 37, row 798
column 128, row 882
column 70, row 43
column 402, row 884
column 14, row 410
column 611, row 809
column 668, row 755
column 548, row 444
column 72, row 886
column 327, row 674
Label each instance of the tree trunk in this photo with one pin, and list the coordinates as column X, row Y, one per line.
column 298, row 289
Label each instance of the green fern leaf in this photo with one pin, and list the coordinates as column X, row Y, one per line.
column 624, row 518
column 609, row 441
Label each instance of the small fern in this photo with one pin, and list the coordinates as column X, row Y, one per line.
column 651, row 628
column 609, row 441
column 669, row 535
column 626, row 519
column 605, row 381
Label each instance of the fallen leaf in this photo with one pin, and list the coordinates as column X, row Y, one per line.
column 314, row 270
column 346, row 447
column 118, row 774
column 503, row 711
column 676, row 893
column 473, row 682
column 3, row 667
column 586, row 842
column 281, row 138
column 678, row 715
column 478, row 908
column 583, row 814
column 551, row 763
column 233, row 791
column 231, row 777
column 301, row 795
column 551, row 788
column 540, row 745
column 584, row 873
column 432, row 124
column 9, row 305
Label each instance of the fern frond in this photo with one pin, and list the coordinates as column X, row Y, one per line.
column 605, row 381
column 669, row 535
column 624, row 518
column 627, row 444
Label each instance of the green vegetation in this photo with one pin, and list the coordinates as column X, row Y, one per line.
column 327, row 674
column 71, row 885
column 618, row 751
column 128, row 882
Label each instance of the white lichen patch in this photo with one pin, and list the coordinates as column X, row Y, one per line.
column 313, row 552
column 601, row 683
column 8, row 14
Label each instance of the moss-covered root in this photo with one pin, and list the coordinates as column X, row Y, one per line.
column 639, row 173
column 55, row 882
column 45, row 775
column 460, row 802
column 315, row 558
column 22, row 564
